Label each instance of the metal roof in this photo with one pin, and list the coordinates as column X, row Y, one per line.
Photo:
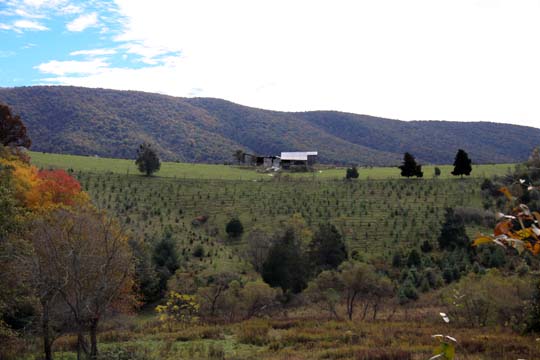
column 302, row 155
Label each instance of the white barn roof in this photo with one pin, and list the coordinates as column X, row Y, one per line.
column 301, row 155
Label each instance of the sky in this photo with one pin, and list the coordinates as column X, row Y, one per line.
column 460, row 60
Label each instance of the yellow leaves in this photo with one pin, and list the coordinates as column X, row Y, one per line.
column 43, row 190
column 482, row 239
column 445, row 351
column 178, row 308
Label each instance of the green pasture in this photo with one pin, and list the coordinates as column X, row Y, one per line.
column 231, row 172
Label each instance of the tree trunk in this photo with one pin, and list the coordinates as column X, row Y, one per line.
column 46, row 332
column 81, row 345
column 93, row 339
column 366, row 307
column 350, row 305
column 375, row 309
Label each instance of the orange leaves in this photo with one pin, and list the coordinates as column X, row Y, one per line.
column 43, row 190
column 57, row 187
column 519, row 230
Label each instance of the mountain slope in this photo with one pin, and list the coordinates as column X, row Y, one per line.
column 112, row 123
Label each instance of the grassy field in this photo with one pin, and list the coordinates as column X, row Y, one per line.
column 227, row 172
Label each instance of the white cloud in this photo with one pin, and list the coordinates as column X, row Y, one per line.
column 44, row 3
column 93, row 52
column 26, row 14
column 149, row 54
column 29, row 25
column 83, row 22
column 70, row 9
column 416, row 59
column 62, row 68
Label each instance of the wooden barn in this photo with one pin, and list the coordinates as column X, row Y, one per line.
column 259, row 160
column 300, row 159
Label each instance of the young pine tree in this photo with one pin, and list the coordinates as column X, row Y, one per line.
column 410, row 167
column 462, row 164
column 327, row 250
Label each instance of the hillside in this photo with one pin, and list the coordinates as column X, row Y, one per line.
column 112, row 123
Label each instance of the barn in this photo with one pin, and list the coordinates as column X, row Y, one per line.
column 299, row 159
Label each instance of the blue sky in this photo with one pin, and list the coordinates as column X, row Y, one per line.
column 463, row 60
column 41, row 41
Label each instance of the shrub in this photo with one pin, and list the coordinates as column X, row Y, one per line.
column 490, row 299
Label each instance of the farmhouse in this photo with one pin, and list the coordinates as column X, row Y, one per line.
column 304, row 159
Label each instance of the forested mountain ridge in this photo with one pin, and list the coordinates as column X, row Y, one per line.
column 113, row 123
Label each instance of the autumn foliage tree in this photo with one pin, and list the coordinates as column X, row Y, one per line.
column 82, row 256
column 12, row 129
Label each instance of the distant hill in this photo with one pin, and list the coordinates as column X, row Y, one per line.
column 113, row 123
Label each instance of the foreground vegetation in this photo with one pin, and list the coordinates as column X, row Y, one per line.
column 303, row 337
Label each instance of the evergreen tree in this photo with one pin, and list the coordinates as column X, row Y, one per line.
column 352, row 173
column 462, row 164
column 234, row 228
column 165, row 258
column 147, row 159
column 285, row 266
column 327, row 250
column 453, row 234
column 410, row 167
column 426, row 246
column 414, row 259
column 146, row 275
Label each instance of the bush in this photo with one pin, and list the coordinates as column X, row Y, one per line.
column 490, row 299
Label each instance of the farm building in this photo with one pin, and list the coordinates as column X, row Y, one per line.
column 304, row 159
column 258, row 160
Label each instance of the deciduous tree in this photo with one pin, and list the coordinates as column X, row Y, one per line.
column 147, row 159
column 83, row 256
column 12, row 129
column 258, row 246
